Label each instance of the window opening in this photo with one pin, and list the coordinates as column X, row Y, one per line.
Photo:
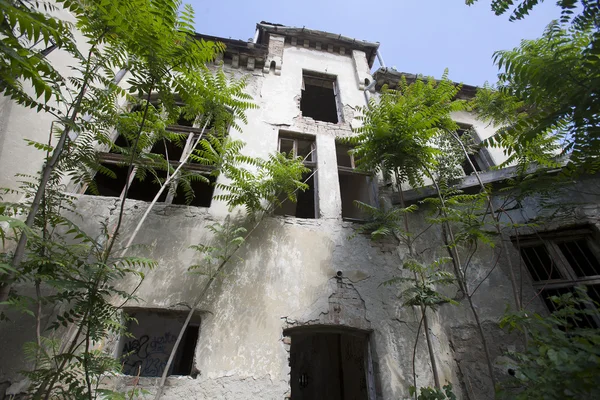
column 203, row 193
column 320, row 99
column 344, row 158
column 147, row 188
column 353, row 185
column 560, row 261
column 287, row 146
column 580, row 258
column 479, row 156
column 108, row 186
column 154, row 335
column 538, row 262
column 329, row 366
column 306, row 206
column 172, row 150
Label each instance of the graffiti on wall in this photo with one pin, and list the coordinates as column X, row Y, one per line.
column 147, row 353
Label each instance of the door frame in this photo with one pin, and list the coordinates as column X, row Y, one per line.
column 346, row 330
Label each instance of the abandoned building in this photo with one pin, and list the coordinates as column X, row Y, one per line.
column 302, row 313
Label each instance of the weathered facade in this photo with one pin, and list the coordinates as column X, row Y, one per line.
column 302, row 312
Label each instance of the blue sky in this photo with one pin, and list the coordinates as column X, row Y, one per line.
column 417, row 36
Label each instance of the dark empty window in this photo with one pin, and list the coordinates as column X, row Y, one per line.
column 330, row 366
column 147, row 188
column 354, row 186
column 306, row 206
column 154, row 335
column 561, row 260
column 320, row 98
column 109, row 180
column 202, row 192
column 171, row 150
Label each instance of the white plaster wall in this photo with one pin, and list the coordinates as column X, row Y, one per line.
column 18, row 123
column 484, row 130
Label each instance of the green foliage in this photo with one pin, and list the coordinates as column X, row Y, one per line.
column 588, row 16
column 428, row 393
column 80, row 277
column 422, row 289
column 26, row 29
column 381, row 222
column 546, row 100
column 562, row 360
column 156, row 42
column 262, row 188
column 226, row 239
column 398, row 131
column 466, row 214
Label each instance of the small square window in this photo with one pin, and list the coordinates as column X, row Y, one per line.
column 154, row 336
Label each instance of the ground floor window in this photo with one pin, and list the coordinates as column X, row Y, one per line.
column 330, row 365
column 153, row 336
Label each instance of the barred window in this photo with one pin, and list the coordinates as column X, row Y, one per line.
column 559, row 261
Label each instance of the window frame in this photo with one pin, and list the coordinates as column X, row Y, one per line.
column 551, row 241
column 333, row 79
column 344, row 170
column 482, row 156
column 312, row 164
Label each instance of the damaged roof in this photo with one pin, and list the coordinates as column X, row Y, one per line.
column 391, row 77
column 325, row 38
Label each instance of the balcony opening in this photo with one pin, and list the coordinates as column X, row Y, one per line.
column 305, row 207
column 354, row 187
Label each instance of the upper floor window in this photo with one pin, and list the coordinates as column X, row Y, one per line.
column 111, row 178
column 479, row 156
column 320, row 97
column 304, row 146
column 558, row 261
column 354, row 185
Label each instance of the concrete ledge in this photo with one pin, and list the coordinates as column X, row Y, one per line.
column 487, row 177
